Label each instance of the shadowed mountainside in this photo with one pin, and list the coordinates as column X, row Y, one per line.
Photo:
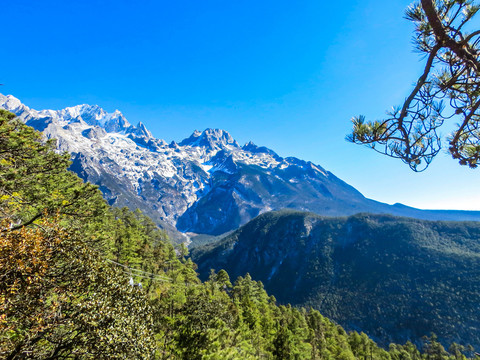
column 205, row 184
column 394, row 278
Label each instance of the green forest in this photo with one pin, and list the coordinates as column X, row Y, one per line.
column 396, row 278
column 82, row 280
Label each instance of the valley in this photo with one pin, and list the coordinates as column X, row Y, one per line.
column 395, row 278
column 309, row 237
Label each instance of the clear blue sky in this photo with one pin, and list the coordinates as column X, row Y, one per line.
column 285, row 74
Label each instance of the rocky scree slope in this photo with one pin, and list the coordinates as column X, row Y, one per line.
column 207, row 183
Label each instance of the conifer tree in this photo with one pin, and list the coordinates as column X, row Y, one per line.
column 447, row 90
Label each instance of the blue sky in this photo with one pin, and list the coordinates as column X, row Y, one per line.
column 287, row 75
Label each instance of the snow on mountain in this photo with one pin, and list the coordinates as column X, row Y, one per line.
column 178, row 174
column 213, row 139
column 206, row 183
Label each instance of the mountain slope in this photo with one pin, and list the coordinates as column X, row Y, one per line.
column 207, row 183
column 393, row 278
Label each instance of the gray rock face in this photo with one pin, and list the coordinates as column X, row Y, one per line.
column 206, row 183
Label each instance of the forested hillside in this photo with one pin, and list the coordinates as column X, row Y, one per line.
column 395, row 278
column 79, row 280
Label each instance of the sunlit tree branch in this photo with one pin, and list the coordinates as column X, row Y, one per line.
column 448, row 89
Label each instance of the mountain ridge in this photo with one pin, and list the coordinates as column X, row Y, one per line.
column 206, row 183
column 395, row 278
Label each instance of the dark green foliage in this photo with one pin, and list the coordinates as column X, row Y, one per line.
column 395, row 278
column 59, row 299
column 65, row 292
column 34, row 181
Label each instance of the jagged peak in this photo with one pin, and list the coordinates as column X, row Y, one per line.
column 93, row 115
column 83, row 109
column 97, row 116
column 219, row 135
column 191, row 139
column 211, row 138
column 11, row 103
column 143, row 128
column 140, row 130
column 255, row 149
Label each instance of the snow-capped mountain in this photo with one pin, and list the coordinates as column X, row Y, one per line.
column 207, row 183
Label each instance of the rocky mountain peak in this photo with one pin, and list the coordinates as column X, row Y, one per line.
column 11, row 103
column 205, row 184
column 212, row 139
column 116, row 123
column 140, row 130
column 96, row 116
column 92, row 115
column 251, row 147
